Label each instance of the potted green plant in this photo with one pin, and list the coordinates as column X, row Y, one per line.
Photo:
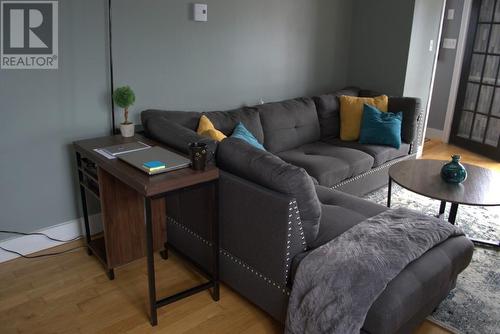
column 124, row 97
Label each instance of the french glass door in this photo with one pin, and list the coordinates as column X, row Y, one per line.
column 476, row 123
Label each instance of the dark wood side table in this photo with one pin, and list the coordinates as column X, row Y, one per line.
column 133, row 212
column 481, row 188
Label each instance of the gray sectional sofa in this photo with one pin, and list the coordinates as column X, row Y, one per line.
column 278, row 205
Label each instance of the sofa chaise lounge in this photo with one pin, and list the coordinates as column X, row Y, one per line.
column 277, row 206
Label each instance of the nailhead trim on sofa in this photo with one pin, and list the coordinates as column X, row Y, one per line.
column 197, row 236
column 294, row 222
column 236, row 260
column 374, row 170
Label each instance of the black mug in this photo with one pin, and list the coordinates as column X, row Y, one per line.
column 198, row 153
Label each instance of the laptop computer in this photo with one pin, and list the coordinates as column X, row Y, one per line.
column 172, row 161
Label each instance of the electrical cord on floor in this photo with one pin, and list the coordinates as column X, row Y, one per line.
column 41, row 255
column 39, row 234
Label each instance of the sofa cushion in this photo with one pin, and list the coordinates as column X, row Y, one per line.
column 327, row 163
column 226, row 121
column 289, row 124
column 266, row 169
column 381, row 154
column 188, row 119
column 328, row 108
column 380, row 128
column 340, row 212
column 207, row 129
column 420, row 287
column 242, row 133
column 351, row 112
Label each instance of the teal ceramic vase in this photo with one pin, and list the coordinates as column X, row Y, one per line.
column 454, row 171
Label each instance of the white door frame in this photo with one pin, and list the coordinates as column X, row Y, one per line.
column 427, row 107
column 457, row 70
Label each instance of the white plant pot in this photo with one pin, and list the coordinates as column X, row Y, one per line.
column 127, row 130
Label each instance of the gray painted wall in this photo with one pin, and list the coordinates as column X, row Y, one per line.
column 42, row 112
column 444, row 70
column 380, row 41
column 247, row 51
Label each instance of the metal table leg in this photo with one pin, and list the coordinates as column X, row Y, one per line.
column 453, row 213
column 151, row 263
column 213, row 277
column 215, row 242
column 442, row 208
column 164, row 252
column 479, row 242
column 389, row 192
column 111, row 274
column 83, row 197
column 486, row 243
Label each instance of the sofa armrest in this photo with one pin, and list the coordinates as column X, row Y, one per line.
column 175, row 135
column 260, row 227
column 410, row 107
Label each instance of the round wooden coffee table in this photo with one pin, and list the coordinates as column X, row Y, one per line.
column 481, row 188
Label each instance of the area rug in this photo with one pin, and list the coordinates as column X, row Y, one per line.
column 474, row 305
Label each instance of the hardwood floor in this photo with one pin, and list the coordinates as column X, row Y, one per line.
column 71, row 294
column 434, row 149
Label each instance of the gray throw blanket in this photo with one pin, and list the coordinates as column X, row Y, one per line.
column 336, row 284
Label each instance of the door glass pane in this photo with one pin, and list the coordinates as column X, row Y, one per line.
column 476, row 67
column 481, row 37
column 471, row 96
column 479, row 128
column 495, row 108
column 490, row 69
column 486, row 10
column 495, row 39
column 465, row 124
column 497, row 12
column 493, row 132
column 483, row 105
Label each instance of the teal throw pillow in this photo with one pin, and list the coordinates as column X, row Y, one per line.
column 380, row 128
column 240, row 132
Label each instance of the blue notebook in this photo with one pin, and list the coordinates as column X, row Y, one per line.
column 154, row 164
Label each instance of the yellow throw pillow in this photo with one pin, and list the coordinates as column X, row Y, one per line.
column 351, row 113
column 206, row 128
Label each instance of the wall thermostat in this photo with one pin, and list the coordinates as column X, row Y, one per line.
column 200, row 12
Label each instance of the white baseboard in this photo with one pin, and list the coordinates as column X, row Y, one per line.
column 434, row 134
column 34, row 243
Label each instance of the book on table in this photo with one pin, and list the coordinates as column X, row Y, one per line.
column 155, row 160
column 154, row 165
